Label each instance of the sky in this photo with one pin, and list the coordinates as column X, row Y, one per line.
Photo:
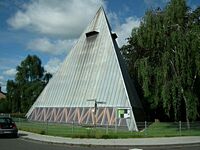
column 49, row 28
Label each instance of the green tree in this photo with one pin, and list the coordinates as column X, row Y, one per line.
column 29, row 82
column 13, row 96
column 29, row 70
column 4, row 105
column 47, row 77
column 163, row 54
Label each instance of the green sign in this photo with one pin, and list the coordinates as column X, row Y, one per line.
column 123, row 113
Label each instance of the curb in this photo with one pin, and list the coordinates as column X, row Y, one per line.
column 144, row 142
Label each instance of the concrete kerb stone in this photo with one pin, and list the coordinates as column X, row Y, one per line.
column 112, row 142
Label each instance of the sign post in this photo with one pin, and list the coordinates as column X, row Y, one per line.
column 95, row 108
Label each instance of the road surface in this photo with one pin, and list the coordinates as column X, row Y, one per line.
column 22, row 144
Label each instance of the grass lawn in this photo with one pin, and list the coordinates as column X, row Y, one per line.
column 157, row 129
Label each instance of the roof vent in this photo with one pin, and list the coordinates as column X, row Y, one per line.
column 114, row 35
column 92, row 33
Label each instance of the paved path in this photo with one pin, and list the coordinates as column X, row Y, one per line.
column 112, row 142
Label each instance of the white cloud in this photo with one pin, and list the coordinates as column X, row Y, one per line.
column 61, row 19
column 66, row 18
column 3, row 86
column 1, row 78
column 2, row 83
column 113, row 18
column 10, row 72
column 124, row 30
column 55, row 47
column 53, row 65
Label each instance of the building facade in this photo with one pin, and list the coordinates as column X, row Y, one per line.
column 92, row 83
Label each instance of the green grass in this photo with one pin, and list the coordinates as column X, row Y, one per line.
column 171, row 129
column 157, row 129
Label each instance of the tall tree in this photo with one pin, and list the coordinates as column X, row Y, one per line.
column 29, row 82
column 163, row 53
column 29, row 70
column 13, row 96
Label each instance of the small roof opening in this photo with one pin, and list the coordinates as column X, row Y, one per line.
column 92, row 33
column 114, row 35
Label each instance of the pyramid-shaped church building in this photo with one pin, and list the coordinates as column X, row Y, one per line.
column 92, row 86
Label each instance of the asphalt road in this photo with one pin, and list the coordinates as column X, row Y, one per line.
column 22, row 144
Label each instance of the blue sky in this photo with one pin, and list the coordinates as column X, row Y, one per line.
column 49, row 28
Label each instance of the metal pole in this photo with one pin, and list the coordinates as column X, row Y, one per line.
column 107, row 128
column 47, row 128
column 95, row 111
column 115, row 120
column 72, row 126
column 180, row 128
column 19, row 122
column 145, row 126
